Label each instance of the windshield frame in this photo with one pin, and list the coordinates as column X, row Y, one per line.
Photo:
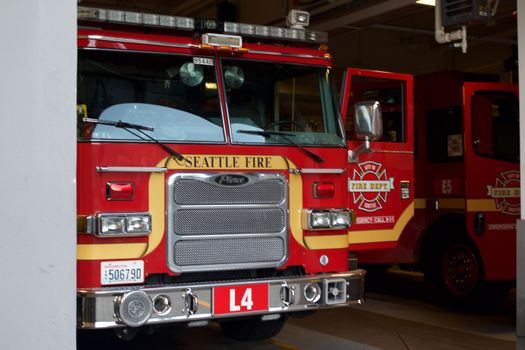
column 327, row 86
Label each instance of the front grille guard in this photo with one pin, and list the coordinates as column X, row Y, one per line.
column 251, row 218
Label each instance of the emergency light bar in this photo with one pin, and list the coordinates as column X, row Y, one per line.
column 190, row 24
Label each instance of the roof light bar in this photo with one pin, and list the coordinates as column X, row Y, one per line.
column 186, row 23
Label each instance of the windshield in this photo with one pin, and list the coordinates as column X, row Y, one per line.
column 294, row 99
column 175, row 95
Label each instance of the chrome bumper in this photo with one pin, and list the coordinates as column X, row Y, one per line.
column 111, row 307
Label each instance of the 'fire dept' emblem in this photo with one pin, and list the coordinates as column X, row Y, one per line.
column 370, row 186
column 506, row 193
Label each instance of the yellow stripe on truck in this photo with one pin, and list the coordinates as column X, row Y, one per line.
column 157, row 205
column 391, row 235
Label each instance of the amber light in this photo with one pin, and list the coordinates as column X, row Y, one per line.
column 120, row 191
column 324, row 189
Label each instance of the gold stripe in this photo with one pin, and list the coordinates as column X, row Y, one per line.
column 226, row 162
column 110, row 251
column 296, row 205
column 420, row 203
column 374, row 236
column 472, row 205
column 156, row 208
column 326, row 242
column 451, row 203
column 481, row 205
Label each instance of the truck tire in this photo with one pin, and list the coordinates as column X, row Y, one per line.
column 454, row 272
column 252, row 329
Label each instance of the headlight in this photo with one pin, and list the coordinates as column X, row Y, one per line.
column 341, row 218
column 112, row 225
column 119, row 224
column 138, row 223
column 320, row 219
column 328, row 219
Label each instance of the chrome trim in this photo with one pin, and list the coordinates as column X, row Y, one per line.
column 316, row 171
column 97, row 306
column 298, row 55
column 394, row 152
column 137, row 41
column 129, row 169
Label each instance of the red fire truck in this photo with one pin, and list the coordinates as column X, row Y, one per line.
column 211, row 174
column 455, row 219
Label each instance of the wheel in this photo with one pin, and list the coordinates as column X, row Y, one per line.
column 454, row 272
column 461, row 270
column 252, row 329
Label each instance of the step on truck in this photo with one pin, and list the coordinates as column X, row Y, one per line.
column 211, row 174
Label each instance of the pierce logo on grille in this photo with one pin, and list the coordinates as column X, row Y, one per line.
column 231, row 180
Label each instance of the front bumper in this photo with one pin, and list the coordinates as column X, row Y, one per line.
column 148, row 305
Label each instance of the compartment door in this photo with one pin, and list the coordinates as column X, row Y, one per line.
column 492, row 143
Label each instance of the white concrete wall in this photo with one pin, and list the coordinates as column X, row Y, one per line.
column 37, row 174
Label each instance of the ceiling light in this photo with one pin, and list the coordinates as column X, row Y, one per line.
column 426, row 2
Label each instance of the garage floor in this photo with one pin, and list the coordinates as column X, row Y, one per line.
column 396, row 316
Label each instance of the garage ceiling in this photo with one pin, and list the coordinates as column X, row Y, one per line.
column 361, row 32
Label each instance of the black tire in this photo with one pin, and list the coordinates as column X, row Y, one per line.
column 252, row 329
column 454, row 272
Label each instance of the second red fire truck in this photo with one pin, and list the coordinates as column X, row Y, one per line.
column 455, row 217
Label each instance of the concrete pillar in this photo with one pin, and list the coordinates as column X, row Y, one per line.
column 37, row 174
column 520, row 246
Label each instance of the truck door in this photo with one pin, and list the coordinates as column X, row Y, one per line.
column 380, row 180
column 492, row 174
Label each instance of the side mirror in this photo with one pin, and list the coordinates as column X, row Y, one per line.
column 368, row 127
column 368, row 121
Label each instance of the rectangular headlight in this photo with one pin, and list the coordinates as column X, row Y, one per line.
column 119, row 224
column 326, row 219
column 111, row 225
column 138, row 223
column 320, row 219
column 341, row 218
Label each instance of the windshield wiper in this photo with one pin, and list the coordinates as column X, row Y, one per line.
column 139, row 128
column 284, row 135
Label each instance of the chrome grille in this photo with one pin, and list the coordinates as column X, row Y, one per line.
column 211, row 251
column 228, row 221
column 197, row 192
column 218, row 226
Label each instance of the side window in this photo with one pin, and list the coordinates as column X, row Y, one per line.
column 390, row 94
column 495, row 125
column 444, row 135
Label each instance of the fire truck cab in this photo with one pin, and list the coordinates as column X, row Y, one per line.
column 211, row 174
column 455, row 218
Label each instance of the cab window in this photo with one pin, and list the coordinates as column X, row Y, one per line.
column 495, row 125
column 391, row 95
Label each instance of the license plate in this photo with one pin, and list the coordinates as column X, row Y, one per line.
column 243, row 298
column 121, row 272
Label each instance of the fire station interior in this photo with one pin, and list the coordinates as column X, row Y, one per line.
column 390, row 36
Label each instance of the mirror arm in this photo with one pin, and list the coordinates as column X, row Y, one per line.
column 353, row 156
